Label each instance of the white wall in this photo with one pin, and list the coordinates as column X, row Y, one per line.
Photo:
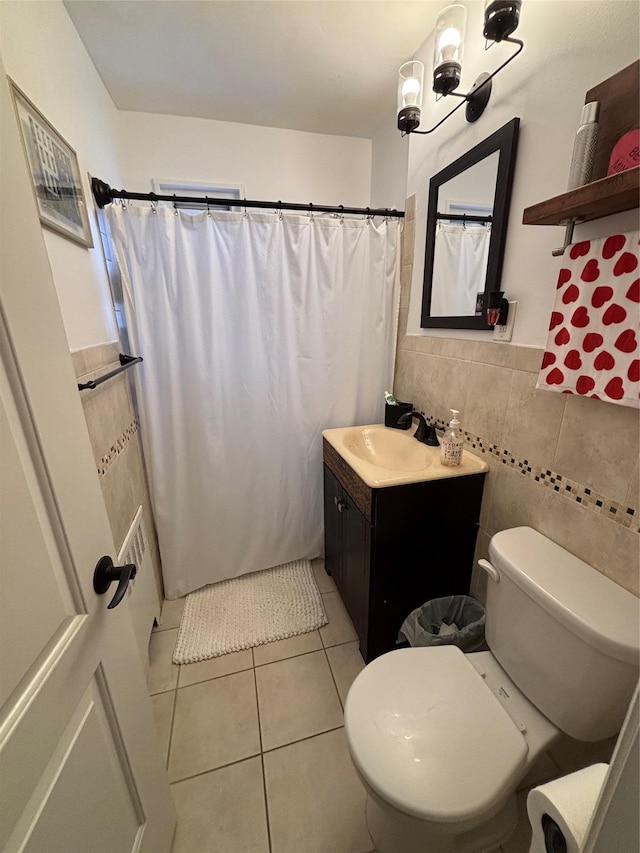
column 569, row 47
column 390, row 153
column 43, row 54
column 273, row 164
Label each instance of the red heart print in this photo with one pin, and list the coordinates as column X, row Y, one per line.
column 613, row 245
column 570, row 294
column 604, row 361
column 625, row 263
column 626, row 342
column 594, row 397
column 580, row 317
column 580, row 249
column 633, row 373
column 585, row 384
column 563, row 277
column 556, row 319
column 614, row 388
column 601, row 295
column 563, row 337
column 547, row 359
column 592, row 340
column 591, row 271
column 555, row 377
column 573, row 360
column 634, row 291
column 614, row 314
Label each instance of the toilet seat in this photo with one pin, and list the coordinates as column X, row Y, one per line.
column 429, row 738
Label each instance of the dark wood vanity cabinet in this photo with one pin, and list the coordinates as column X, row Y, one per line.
column 389, row 550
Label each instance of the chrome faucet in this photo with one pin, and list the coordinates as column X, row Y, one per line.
column 426, row 433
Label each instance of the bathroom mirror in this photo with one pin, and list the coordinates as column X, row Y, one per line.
column 466, row 232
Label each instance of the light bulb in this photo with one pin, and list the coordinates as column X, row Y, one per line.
column 449, row 42
column 410, row 92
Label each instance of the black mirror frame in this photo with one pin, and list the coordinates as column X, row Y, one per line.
column 504, row 140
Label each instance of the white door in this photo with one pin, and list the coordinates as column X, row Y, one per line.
column 81, row 770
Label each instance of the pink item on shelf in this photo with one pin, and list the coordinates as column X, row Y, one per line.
column 593, row 348
column 626, row 153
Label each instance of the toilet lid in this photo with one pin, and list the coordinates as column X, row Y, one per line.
column 427, row 735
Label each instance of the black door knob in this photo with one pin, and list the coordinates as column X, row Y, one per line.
column 106, row 573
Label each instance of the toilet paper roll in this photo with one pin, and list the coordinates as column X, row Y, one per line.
column 570, row 802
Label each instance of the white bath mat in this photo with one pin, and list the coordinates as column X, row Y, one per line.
column 249, row 611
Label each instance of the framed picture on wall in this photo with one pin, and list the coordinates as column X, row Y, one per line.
column 54, row 171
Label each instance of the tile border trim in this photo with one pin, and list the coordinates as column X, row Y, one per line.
column 595, row 501
column 118, row 446
column 626, row 516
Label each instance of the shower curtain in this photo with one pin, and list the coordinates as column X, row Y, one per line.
column 459, row 269
column 258, row 331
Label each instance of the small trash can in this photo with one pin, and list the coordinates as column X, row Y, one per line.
column 454, row 620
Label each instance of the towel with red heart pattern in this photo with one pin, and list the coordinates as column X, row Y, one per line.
column 593, row 343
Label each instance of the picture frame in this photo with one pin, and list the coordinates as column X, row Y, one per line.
column 54, row 171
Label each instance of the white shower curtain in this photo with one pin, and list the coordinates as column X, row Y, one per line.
column 459, row 269
column 257, row 333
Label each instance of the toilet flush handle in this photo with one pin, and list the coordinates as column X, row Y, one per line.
column 493, row 573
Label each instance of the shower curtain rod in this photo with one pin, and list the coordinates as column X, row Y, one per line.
column 104, row 195
column 464, row 217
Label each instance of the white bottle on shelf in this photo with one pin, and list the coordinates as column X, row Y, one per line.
column 452, row 442
column 584, row 147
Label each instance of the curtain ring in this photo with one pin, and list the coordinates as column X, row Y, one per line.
column 246, row 215
column 310, row 212
column 341, row 214
column 175, row 206
column 206, row 198
column 154, row 207
column 280, row 216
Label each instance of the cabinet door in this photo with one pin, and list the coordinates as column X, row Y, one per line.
column 333, row 497
column 355, row 579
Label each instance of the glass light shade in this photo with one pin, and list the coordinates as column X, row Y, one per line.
column 410, row 88
column 449, row 35
column 410, row 85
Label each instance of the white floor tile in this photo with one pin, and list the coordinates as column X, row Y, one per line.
column 193, row 673
column 162, row 704
column 222, row 811
column 289, row 648
column 345, row 662
column 340, row 628
column 297, row 698
column 215, row 723
column 325, row 582
column 163, row 673
column 315, row 800
column 171, row 614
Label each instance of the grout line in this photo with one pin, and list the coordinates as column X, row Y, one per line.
column 213, row 769
column 173, row 719
column 289, row 657
column 307, row 737
column 266, row 802
column 335, row 683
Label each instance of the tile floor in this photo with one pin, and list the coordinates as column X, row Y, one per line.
column 254, row 742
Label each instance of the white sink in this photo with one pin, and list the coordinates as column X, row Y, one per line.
column 382, row 456
column 388, row 448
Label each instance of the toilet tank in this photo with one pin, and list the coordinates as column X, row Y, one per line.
column 566, row 634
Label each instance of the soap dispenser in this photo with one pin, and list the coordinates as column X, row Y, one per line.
column 452, row 442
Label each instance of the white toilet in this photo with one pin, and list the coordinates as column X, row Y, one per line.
column 441, row 739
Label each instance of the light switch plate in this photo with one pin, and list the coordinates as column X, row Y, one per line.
column 505, row 333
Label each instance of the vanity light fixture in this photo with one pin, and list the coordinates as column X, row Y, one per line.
column 501, row 18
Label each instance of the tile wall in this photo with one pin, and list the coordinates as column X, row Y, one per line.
column 565, row 465
column 114, row 434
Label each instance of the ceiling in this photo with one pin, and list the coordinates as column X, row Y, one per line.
column 327, row 66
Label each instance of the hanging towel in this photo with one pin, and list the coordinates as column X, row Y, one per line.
column 593, row 344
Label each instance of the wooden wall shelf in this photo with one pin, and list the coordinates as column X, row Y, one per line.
column 599, row 198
